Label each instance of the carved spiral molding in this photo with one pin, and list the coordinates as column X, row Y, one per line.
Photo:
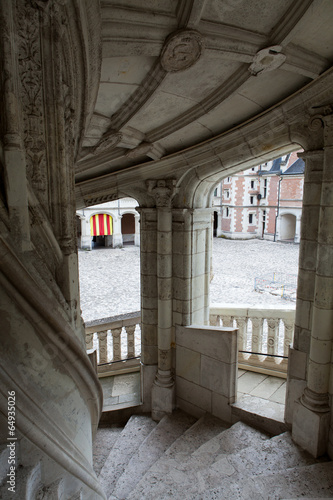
column 181, row 50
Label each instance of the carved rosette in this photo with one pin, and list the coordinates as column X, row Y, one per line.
column 181, row 50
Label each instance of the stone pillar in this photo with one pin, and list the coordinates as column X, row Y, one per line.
column 86, row 239
column 117, row 237
column 137, row 231
column 163, row 387
column 148, row 264
column 191, row 265
column 312, row 412
column 306, row 279
column 298, row 229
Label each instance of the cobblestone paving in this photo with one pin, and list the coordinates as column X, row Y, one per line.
column 110, row 278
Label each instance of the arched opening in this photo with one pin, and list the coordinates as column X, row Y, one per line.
column 101, row 230
column 128, row 229
column 288, row 227
column 216, row 218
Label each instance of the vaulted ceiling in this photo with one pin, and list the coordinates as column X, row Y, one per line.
column 175, row 73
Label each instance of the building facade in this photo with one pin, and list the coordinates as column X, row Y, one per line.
column 262, row 202
column 111, row 224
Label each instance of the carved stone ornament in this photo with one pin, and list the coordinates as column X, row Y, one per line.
column 267, row 60
column 181, row 50
column 108, row 141
column 142, row 149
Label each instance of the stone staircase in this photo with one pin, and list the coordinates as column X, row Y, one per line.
column 184, row 458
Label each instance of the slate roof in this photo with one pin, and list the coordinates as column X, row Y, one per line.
column 276, row 166
column 297, row 168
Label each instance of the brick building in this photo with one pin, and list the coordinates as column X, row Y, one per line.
column 262, row 202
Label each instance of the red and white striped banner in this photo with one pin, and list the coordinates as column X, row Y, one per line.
column 101, row 224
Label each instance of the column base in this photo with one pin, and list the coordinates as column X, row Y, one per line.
column 162, row 401
column 310, row 429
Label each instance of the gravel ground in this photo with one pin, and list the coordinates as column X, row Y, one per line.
column 110, row 278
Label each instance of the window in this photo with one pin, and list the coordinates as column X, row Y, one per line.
column 252, row 184
column 252, row 169
column 226, row 193
column 227, row 212
column 250, row 218
column 264, row 215
column 251, row 200
column 228, row 179
column 215, row 192
column 265, row 188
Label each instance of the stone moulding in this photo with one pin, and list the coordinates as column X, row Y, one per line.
column 51, row 327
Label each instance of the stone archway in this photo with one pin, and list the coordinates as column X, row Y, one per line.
column 128, row 229
column 288, row 227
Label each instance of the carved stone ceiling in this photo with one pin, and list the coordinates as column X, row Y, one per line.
column 178, row 72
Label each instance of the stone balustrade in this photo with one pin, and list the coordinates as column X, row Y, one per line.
column 265, row 334
column 115, row 340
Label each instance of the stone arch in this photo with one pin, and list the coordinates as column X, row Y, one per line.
column 287, row 227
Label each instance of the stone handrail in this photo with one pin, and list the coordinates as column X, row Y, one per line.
column 268, row 330
column 117, row 345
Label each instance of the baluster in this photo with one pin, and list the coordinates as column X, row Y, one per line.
column 213, row 320
column 89, row 341
column 288, row 339
column 103, row 346
column 116, row 332
column 242, row 337
column 228, row 321
column 272, row 341
column 130, row 340
column 257, row 324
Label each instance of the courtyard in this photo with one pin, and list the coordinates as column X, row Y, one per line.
column 110, row 278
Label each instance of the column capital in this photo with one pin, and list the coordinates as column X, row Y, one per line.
column 162, row 190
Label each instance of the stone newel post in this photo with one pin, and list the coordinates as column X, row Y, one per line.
column 163, row 387
column 312, row 412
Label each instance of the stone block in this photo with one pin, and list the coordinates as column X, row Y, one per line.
column 297, row 364
column 148, row 286
column 215, row 342
column 188, row 364
column 162, row 401
column 310, row 429
column 149, row 354
column 149, row 334
column 295, row 389
column 221, row 408
column 303, row 314
column 218, row 377
column 190, row 408
column 194, row 394
column 324, row 292
column 149, row 315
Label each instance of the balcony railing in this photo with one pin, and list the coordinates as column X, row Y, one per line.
column 264, row 337
column 264, row 334
column 117, row 341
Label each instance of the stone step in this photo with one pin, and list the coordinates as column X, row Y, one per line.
column 152, row 448
column 104, row 440
column 176, row 476
column 261, row 413
column 205, row 429
column 276, row 454
column 311, row 482
column 134, row 433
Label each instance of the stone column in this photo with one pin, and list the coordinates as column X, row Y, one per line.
column 298, row 229
column 312, row 412
column 163, row 387
column 306, row 279
column 117, row 237
column 86, row 239
column 137, row 231
column 148, row 264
